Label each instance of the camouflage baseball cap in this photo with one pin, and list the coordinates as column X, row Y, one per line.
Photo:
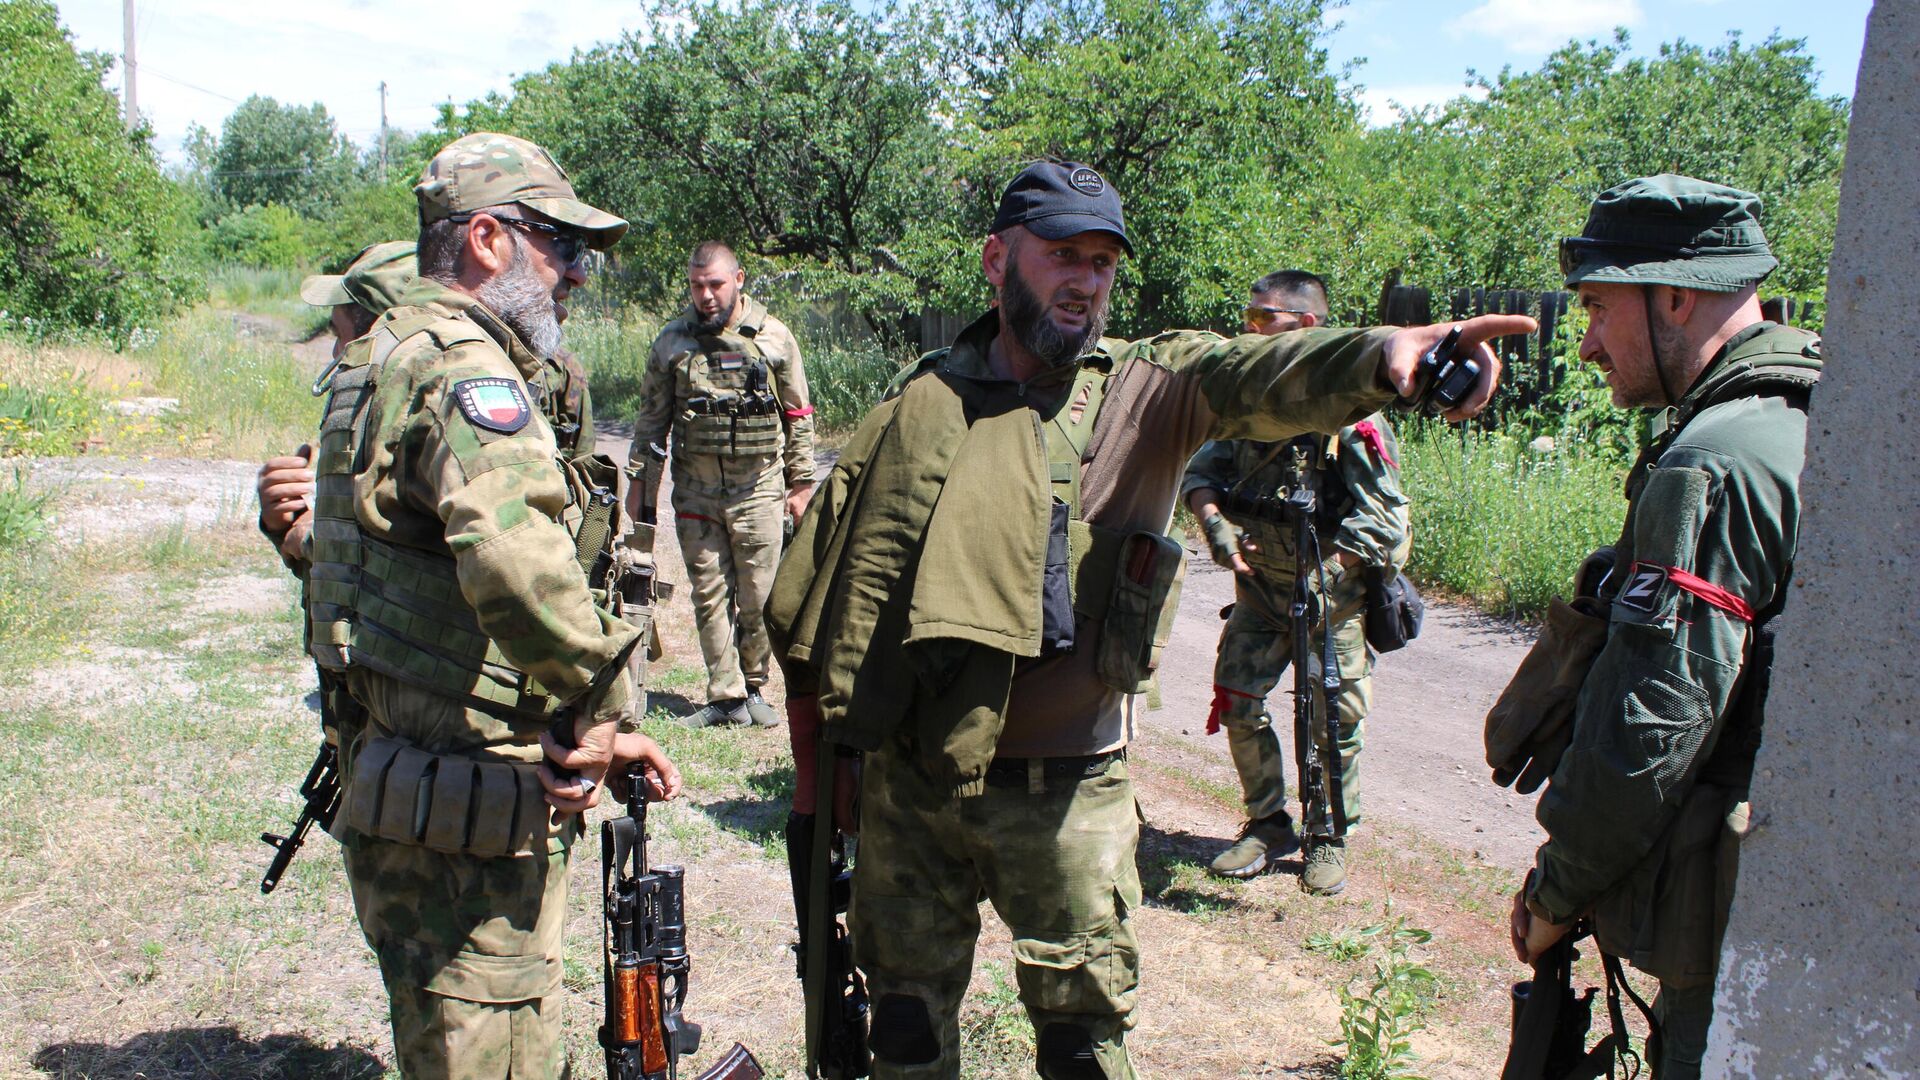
column 487, row 169
column 1671, row 230
column 332, row 290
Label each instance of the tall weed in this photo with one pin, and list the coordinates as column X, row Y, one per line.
column 847, row 377
column 1378, row 1021
column 54, row 414
column 612, row 344
column 1502, row 521
column 239, row 396
column 23, row 512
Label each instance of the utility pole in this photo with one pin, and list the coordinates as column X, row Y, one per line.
column 127, row 65
column 383, row 127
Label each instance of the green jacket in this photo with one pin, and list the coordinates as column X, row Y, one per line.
column 890, row 565
column 1713, row 516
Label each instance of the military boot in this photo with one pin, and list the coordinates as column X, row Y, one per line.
column 1326, row 868
column 1262, row 842
column 719, row 714
column 762, row 714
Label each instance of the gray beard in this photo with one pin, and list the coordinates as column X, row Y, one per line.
column 523, row 303
column 1024, row 316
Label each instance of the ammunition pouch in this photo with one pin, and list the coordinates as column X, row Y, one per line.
column 449, row 803
column 1669, row 915
column 1131, row 583
column 1394, row 610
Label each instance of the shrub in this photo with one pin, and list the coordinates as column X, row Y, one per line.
column 846, row 378
column 23, row 513
column 268, row 237
column 91, row 235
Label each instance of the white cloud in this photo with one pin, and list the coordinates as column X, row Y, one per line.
column 337, row 52
column 1534, row 26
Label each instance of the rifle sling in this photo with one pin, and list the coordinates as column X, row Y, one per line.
column 818, row 936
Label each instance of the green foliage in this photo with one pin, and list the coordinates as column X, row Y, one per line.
column 847, row 377
column 613, row 348
column 53, row 415
column 23, row 512
column 1501, row 520
column 91, row 235
column 282, row 155
column 264, row 236
column 1377, row 1022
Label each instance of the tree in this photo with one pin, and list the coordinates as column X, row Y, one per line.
column 91, row 234
column 282, row 155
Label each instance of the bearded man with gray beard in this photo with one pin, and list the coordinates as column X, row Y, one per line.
column 448, row 591
column 983, row 586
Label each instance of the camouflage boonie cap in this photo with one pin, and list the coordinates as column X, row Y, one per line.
column 1671, row 230
column 332, row 290
column 487, row 169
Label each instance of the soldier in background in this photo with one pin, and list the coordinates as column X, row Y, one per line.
column 1233, row 488
column 724, row 380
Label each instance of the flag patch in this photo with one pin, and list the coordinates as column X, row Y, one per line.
column 495, row 404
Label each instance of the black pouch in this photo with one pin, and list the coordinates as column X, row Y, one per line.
column 1056, row 589
column 1394, row 611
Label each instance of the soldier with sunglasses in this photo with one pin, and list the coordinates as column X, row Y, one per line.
column 1234, row 488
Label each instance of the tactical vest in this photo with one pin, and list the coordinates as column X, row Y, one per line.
column 731, row 409
column 398, row 610
column 1256, row 501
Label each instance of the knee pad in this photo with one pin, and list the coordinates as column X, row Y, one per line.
column 903, row 1032
column 1066, row 1053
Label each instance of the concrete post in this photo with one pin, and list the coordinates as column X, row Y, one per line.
column 1821, row 972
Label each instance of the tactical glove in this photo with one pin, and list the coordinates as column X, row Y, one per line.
column 1530, row 726
column 1223, row 538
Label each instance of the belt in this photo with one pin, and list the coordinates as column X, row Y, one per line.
column 1018, row 772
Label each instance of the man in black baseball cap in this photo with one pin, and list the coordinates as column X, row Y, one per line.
column 978, row 592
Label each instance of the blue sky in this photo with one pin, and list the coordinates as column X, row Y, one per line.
column 1417, row 52
column 200, row 58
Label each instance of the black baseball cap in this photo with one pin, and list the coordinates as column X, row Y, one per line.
column 1058, row 199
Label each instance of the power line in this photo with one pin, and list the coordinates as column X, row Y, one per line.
column 148, row 68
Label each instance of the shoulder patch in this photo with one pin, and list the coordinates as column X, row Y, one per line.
column 1644, row 587
column 494, row 404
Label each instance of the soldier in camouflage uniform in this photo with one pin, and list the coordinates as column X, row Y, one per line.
column 447, row 589
column 354, row 299
column 994, row 722
column 725, row 382
column 1650, row 747
column 1235, row 490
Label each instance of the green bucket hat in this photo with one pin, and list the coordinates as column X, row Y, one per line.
column 1671, row 230
column 364, row 280
column 487, row 169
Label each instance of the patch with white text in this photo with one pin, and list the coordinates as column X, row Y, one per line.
column 494, row 404
column 1088, row 181
column 1643, row 588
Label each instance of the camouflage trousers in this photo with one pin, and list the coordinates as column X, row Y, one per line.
column 469, row 947
column 731, row 548
column 1055, row 858
column 1256, row 649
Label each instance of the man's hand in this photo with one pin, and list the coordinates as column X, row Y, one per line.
column 663, row 780
column 1226, row 542
column 797, row 499
column 285, row 490
column 803, row 730
column 1532, row 935
column 588, row 760
column 294, row 544
column 1401, row 357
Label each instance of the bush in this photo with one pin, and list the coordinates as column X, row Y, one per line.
column 268, row 237
column 613, row 346
column 91, row 235
column 1501, row 521
column 846, row 378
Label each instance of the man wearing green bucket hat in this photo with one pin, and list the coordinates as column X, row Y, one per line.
column 1649, row 744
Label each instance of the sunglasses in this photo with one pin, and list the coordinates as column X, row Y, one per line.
column 1573, row 250
column 570, row 245
column 1261, row 315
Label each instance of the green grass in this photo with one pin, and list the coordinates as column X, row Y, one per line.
column 53, row 415
column 612, row 346
column 847, row 378
column 1499, row 523
column 274, row 293
column 23, row 512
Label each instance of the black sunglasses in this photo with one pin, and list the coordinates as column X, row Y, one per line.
column 1572, row 247
column 569, row 244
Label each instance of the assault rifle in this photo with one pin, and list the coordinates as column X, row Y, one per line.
column 1550, row 1022
column 1320, row 779
column 644, row 956
column 321, row 789
column 836, row 996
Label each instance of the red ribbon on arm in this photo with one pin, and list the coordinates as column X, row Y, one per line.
column 1711, row 594
column 1374, row 440
column 1222, row 701
column 799, row 414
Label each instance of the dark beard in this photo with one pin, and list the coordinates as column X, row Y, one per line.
column 703, row 326
column 1025, row 317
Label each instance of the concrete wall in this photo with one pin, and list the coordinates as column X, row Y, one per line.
column 1821, row 973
